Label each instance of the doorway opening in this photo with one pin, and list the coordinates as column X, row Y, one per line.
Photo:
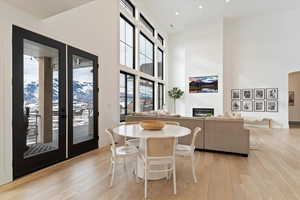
column 294, row 99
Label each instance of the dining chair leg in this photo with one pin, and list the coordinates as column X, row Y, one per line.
column 174, row 176
column 110, row 168
column 125, row 139
column 146, row 181
column 169, row 173
column 125, row 167
column 193, row 167
column 135, row 170
column 113, row 174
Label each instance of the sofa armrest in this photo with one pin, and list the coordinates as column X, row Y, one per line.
column 227, row 136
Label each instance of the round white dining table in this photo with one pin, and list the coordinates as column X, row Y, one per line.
column 136, row 131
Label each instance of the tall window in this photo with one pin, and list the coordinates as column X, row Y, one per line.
column 126, row 42
column 160, row 64
column 160, row 39
column 146, row 95
column 127, row 94
column 128, row 6
column 160, row 96
column 147, row 24
column 146, row 52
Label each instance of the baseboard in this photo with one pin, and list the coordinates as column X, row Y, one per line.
column 223, row 152
column 5, row 180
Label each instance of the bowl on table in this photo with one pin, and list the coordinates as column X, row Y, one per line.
column 153, row 125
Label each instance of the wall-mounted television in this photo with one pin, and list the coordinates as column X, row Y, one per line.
column 203, row 84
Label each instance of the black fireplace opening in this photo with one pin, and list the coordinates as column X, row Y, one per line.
column 203, row 112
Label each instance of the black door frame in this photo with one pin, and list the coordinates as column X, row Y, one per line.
column 126, row 74
column 23, row 166
column 153, row 92
column 76, row 149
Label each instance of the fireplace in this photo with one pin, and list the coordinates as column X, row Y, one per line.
column 203, row 112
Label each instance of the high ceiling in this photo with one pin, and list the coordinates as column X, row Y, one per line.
column 46, row 8
column 164, row 11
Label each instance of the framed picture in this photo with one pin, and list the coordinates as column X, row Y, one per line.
column 235, row 105
column 259, row 106
column 259, row 94
column 247, row 94
column 204, row 84
column 272, row 106
column 291, row 98
column 235, row 94
column 272, row 93
column 247, row 106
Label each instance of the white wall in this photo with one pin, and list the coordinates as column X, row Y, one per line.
column 177, row 69
column 93, row 27
column 294, row 85
column 197, row 51
column 8, row 16
column 259, row 52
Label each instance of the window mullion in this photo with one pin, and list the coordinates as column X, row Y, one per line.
column 125, row 44
column 126, row 93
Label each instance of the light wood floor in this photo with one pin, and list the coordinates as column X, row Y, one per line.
column 272, row 172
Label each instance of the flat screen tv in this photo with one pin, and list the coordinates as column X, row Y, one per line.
column 203, row 84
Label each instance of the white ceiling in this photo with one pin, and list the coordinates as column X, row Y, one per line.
column 164, row 10
column 46, row 8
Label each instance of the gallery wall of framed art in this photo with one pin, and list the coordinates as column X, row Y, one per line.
column 254, row 100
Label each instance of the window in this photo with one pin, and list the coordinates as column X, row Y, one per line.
column 160, row 64
column 146, row 95
column 160, row 39
column 146, row 52
column 126, row 42
column 147, row 25
column 160, row 96
column 128, row 6
column 127, row 94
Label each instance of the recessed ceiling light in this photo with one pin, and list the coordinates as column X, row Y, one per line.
column 200, row 6
column 177, row 13
column 227, row 1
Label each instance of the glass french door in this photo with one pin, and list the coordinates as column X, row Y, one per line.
column 82, row 101
column 39, row 106
column 39, row 102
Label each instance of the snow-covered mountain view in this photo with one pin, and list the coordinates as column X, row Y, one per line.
column 82, row 92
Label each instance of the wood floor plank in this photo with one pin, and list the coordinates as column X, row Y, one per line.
column 271, row 172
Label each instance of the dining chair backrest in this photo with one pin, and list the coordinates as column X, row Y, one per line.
column 196, row 131
column 160, row 147
column 171, row 123
column 113, row 143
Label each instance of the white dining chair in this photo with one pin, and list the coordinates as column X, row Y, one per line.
column 188, row 150
column 132, row 141
column 162, row 151
column 173, row 123
column 119, row 153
